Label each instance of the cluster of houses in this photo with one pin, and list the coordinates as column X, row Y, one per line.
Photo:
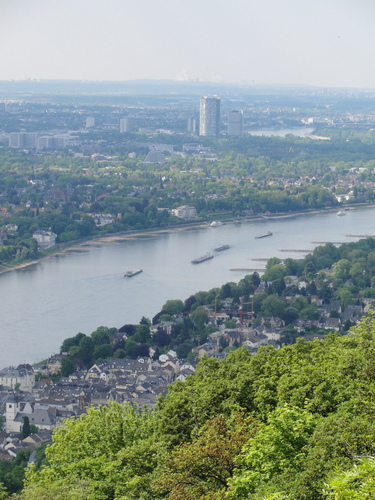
column 46, row 404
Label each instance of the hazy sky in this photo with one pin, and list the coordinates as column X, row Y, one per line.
column 318, row 42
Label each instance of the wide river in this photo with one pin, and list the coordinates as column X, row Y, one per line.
column 45, row 303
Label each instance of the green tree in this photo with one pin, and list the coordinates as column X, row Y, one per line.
column 345, row 297
column 199, row 317
column 142, row 334
column 356, row 483
column 341, row 269
column 59, row 490
column 273, row 306
column 173, row 307
column 93, row 449
column 290, row 315
column 276, row 272
column 67, row 366
column 3, row 492
column 277, row 449
column 204, row 466
column 103, row 351
column 26, row 428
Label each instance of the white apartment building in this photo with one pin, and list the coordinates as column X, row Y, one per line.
column 45, row 239
column 185, row 212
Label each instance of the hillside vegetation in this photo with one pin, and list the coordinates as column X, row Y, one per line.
column 289, row 423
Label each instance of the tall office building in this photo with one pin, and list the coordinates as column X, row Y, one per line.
column 124, row 125
column 90, row 122
column 235, row 123
column 209, row 116
column 22, row 140
column 191, row 125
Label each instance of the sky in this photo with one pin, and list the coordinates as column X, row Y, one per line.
column 325, row 43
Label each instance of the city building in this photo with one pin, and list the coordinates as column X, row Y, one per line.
column 235, row 123
column 192, row 125
column 185, row 212
column 124, row 125
column 45, row 239
column 209, row 116
column 155, row 157
column 31, row 140
column 22, row 140
column 45, row 142
column 22, row 378
column 52, row 141
column 103, row 219
column 90, row 122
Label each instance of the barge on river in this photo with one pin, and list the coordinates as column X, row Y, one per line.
column 220, row 249
column 263, row 235
column 130, row 274
column 205, row 257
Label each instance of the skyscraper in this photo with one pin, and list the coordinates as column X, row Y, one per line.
column 124, row 125
column 209, row 116
column 90, row 122
column 191, row 124
column 235, row 123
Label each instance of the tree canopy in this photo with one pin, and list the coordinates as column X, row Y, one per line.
column 296, row 422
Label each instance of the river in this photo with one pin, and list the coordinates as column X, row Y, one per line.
column 45, row 303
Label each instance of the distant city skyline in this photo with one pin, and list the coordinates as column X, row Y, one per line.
column 328, row 43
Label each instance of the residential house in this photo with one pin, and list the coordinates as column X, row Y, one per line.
column 21, row 378
column 45, row 239
column 54, row 364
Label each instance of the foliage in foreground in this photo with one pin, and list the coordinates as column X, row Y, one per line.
column 294, row 423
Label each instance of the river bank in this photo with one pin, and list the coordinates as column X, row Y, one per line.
column 84, row 245
column 79, row 291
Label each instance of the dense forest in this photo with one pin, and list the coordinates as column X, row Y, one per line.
column 289, row 423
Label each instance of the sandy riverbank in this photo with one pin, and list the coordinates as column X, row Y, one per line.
column 84, row 245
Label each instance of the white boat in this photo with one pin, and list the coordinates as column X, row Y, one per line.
column 216, row 223
column 340, row 214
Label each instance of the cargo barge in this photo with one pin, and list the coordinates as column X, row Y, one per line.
column 263, row 235
column 198, row 260
column 130, row 274
column 220, row 249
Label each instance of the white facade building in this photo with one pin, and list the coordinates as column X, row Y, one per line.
column 124, row 125
column 23, row 377
column 16, row 410
column 45, row 239
column 209, row 116
column 185, row 212
column 90, row 122
column 235, row 123
column 22, row 140
column 192, row 125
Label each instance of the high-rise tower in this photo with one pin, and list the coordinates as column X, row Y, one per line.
column 235, row 123
column 124, row 125
column 209, row 116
